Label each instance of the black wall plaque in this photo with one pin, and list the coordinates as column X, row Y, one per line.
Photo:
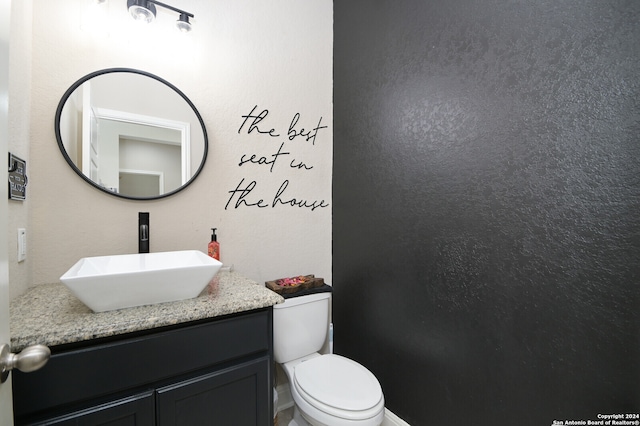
column 17, row 178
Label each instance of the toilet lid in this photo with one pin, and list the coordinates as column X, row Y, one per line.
column 339, row 382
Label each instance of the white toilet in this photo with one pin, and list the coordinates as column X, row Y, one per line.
column 328, row 390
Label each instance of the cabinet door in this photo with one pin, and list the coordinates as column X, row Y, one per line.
column 137, row 410
column 238, row 395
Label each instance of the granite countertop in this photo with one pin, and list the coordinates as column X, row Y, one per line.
column 51, row 315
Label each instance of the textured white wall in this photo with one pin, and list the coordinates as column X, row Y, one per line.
column 19, row 134
column 242, row 53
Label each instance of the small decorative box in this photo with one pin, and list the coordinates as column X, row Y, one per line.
column 294, row 284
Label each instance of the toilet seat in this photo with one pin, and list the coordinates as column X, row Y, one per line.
column 339, row 387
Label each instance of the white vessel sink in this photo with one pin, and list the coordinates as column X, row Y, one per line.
column 106, row 283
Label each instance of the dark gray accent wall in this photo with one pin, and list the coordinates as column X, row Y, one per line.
column 486, row 201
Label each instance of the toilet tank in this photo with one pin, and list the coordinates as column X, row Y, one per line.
column 300, row 326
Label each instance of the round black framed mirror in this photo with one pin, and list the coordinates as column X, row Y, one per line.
column 131, row 134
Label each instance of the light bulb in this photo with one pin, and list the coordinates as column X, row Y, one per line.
column 142, row 10
column 183, row 23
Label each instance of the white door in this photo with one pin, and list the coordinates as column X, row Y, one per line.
column 6, row 406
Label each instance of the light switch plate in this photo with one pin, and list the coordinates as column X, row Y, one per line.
column 22, row 244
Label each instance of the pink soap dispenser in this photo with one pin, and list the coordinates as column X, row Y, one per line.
column 214, row 245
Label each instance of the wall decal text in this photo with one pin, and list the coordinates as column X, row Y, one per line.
column 255, row 125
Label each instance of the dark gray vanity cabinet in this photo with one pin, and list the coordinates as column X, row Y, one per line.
column 211, row 372
column 227, row 397
column 138, row 410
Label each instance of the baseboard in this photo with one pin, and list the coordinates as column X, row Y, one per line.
column 284, row 396
column 285, row 401
column 391, row 419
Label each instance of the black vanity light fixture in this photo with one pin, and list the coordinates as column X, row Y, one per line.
column 145, row 11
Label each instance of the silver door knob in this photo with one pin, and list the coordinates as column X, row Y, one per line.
column 30, row 359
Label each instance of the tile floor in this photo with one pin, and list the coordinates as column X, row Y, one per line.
column 285, row 416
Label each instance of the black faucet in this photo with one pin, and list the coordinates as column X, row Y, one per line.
column 143, row 232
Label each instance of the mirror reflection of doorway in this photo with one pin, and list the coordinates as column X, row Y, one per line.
column 152, row 157
column 148, row 144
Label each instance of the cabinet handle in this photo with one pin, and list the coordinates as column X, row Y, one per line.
column 30, row 359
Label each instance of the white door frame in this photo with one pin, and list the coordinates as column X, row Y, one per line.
column 6, row 401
